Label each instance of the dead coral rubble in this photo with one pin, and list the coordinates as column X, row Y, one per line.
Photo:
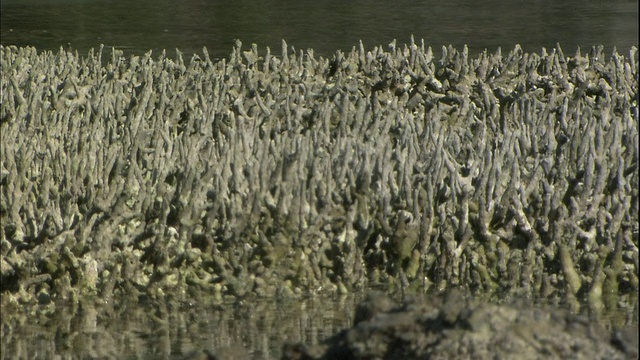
column 276, row 175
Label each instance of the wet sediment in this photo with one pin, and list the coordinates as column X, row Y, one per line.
column 142, row 177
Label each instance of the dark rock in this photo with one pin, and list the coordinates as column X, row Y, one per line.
column 454, row 327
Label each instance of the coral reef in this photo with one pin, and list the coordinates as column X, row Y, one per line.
column 265, row 175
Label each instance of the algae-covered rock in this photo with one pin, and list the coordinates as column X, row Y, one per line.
column 453, row 327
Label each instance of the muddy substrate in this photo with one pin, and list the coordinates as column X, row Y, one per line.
column 452, row 327
column 282, row 176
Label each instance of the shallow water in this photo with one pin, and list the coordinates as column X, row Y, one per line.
column 256, row 329
column 324, row 26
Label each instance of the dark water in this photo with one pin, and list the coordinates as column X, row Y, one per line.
column 325, row 26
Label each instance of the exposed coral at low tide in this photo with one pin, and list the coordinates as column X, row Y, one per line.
column 282, row 175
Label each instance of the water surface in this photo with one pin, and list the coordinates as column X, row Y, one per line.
column 325, row 26
column 257, row 328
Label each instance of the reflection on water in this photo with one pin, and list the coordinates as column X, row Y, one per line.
column 325, row 26
column 258, row 327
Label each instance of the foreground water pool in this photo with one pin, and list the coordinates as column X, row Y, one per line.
column 256, row 328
